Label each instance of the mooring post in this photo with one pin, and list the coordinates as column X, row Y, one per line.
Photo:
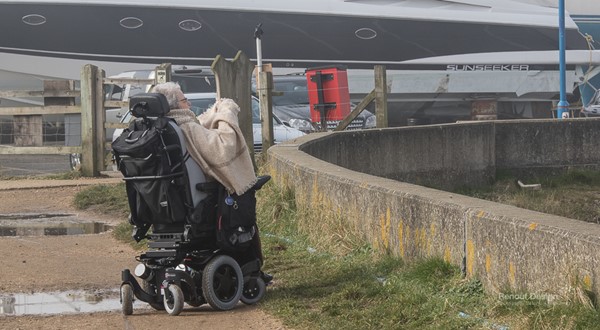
column 233, row 79
column 381, row 110
column 92, row 121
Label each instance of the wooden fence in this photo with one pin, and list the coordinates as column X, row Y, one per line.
column 60, row 99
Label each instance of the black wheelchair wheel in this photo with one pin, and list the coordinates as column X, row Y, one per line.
column 222, row 283
column 253, row 293
column 173, row 300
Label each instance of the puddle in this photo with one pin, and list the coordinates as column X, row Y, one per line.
column 47, row 224
column 48, row 303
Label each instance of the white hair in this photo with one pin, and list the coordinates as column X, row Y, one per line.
column 169, row 90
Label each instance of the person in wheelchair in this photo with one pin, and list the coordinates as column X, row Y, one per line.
column 215, row 141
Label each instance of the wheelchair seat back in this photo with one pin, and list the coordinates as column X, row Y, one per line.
column 161, row 177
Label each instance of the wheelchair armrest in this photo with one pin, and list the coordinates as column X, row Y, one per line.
column 172, row 147
column 211, row 186
column 261, row 181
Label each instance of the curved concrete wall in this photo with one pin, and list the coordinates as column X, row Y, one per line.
column 531, row 147
column 507, row 248
column 444, row 156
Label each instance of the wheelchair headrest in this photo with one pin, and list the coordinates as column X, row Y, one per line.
column 149, row 105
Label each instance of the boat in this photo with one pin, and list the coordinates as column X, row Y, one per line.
column 308, row 33
column 585, row 13
column 444, row 89
column 56, row 38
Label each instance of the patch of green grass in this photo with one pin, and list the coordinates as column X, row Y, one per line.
column 57, row 176
column 574, row 194
column 63, row 176
column 122, row 232
column 319, row 286
column 110, row 199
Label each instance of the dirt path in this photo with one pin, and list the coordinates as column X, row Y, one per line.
column 87, row 262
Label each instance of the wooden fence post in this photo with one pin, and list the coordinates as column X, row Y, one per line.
column 233, row 81
column 92, row 121
column 381, row 111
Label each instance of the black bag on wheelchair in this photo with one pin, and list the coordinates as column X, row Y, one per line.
column 141, row 153
column 139, row 142
column 236, row 224
column 150, row 156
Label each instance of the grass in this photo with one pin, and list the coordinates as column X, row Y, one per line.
column 575, row 194
column 111, row 199
column 71, row 175
column 327, row 278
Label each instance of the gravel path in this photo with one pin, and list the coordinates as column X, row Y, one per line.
column 90, row 262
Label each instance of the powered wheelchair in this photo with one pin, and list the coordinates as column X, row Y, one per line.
column 199, row 236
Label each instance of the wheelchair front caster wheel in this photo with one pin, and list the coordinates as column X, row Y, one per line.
column 173, row 300
column 126, row 299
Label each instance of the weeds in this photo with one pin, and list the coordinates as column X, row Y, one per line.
column 320, row 286
column 573, row 195
column 71, row 175
column 122, row 232
column 109, row 198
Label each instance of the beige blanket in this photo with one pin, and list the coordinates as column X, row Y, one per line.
column 215, row 141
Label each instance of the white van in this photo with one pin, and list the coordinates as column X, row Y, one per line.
column 190, row 80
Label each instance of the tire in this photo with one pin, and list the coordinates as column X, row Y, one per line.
column 173, row 302
column 126, row 299
column 222, row 283
column 252, row 295
column 147, row 286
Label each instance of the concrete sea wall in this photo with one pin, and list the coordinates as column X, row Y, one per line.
column 355, row 175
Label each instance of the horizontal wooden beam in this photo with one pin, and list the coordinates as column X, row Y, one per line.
column 116, row 104
column 48, row 110
column 133, row 81
column 51, row 93
column 60, row 150
column 116, row 125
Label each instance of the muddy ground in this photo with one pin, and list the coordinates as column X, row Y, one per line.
column 91, row 262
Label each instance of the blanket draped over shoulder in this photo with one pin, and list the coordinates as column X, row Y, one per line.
column 215, row 141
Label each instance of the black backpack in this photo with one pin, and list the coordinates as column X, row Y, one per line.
column 236, row 220
column 153, row 170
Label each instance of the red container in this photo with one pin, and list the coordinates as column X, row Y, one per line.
column 334, row 93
